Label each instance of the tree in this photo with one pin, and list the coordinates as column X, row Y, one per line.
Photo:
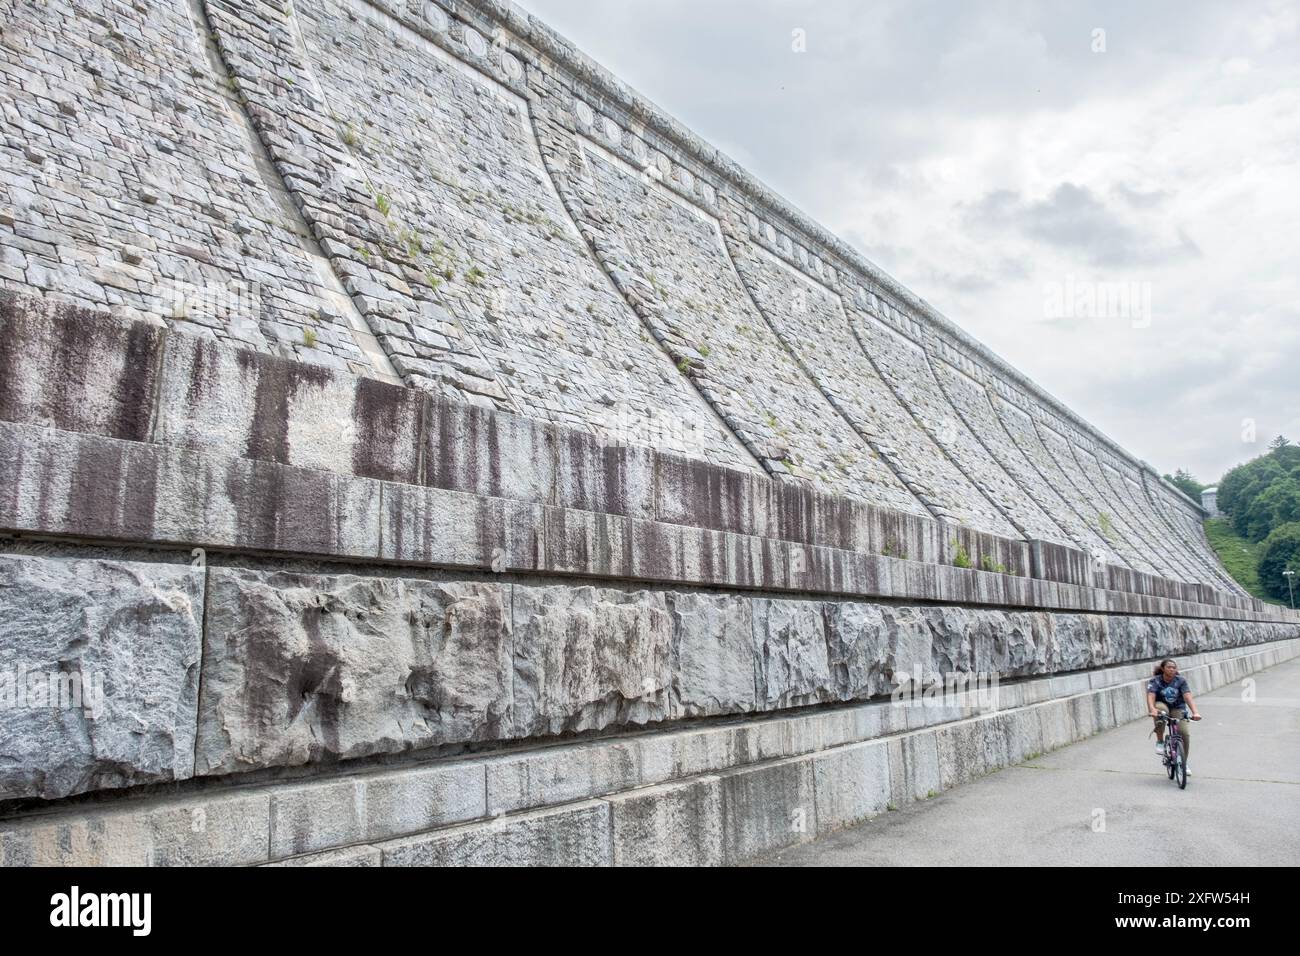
column 1280, row 552
column 1278, row 443
column 1241, row 488
column 1184, row 482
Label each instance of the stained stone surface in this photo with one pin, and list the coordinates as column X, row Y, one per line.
column 99, row 668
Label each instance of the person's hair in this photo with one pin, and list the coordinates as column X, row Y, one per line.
column 1161, row 665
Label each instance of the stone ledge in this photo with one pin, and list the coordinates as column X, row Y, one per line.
column 71, row 484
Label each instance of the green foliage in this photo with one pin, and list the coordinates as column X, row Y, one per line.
column 309, row 338
column 988, row 564
column 1184, row 482
column 1239, row 556
column 383, row 204
column 961, row 557
column 1280, row 552
column 1106, row 527
column 1263, row 493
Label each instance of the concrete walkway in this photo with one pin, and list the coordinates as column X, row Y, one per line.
column 1241, row 805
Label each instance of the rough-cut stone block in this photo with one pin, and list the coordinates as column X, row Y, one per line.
column 677, row 824
column 853, row 783
column 99, row 675
column 302, row 667
column 859, row 652
column 587, row 657
column 713, row 654
column 574, row 835
column 768, row 807
column 791, row 654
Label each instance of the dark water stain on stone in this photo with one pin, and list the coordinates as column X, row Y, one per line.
column 385, row 417
column 278, row 382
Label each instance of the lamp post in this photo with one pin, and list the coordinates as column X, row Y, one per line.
column 1290, row 586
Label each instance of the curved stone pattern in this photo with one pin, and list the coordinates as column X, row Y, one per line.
column 1019, row 425
column 130, row 181
column 903, row 363
column 1136, row 531
column 1110, row 523
column 673, row 254
column 811, row 319
column 971, row 401
column 452, row 193
column 1125, row 484
column 454, row 165
column 1187, row 525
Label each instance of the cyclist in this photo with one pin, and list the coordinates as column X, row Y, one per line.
column 1168, row 693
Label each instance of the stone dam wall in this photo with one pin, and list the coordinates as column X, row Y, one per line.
column 421, row 449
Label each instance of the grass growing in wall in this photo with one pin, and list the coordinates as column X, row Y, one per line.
column 962, row 557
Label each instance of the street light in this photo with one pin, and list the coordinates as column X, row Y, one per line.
column 1290, row 575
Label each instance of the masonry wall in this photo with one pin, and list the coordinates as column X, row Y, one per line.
column 453, row 197
column 385, row 384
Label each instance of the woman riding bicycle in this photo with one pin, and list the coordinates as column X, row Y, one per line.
column 1168, row 694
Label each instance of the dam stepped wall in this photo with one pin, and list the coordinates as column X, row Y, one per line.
column 416, row 429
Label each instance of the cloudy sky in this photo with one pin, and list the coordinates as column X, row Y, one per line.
column 1117, row 213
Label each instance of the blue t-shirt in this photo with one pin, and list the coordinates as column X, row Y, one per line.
column 1171, row 693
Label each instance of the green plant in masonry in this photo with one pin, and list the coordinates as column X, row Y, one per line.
column 309, row 338
column 1107, row 528
column 961, row 558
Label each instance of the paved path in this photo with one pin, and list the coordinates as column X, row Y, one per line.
column 1241, row 805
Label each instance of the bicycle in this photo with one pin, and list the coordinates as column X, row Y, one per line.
column 1174, row 760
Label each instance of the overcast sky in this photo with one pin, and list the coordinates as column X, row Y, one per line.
column 992, row 161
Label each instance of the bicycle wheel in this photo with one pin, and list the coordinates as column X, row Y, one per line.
column 1169, row 758
column 1181, row 772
